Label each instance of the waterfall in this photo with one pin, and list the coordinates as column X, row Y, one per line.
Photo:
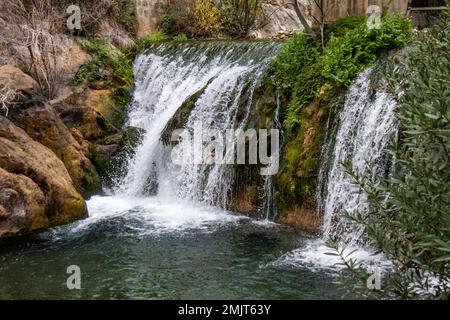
column 364, row 127
column 222, row 76
column 270, row 209
column 360, row 132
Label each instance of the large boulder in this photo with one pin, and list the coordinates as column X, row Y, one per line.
column 22, row 204
column 15, row 79
column 90, row 112
column 43, row 124
column 36, row 191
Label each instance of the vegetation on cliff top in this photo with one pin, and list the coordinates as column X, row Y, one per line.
column 311, row 78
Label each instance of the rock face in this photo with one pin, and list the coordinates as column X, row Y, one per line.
column 42, row 123
column 16, row 79
column 302, row 218
column 68, row 57
column 36, row 191
column 115, row 35
column 89, row 124
column 281, row 18
column 22, row 204
column 146, row 14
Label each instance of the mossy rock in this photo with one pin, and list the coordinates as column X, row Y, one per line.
column 180, row 118
column 297, row 180
column 109, row 154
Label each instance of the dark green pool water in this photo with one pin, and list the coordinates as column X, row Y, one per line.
column 143, row 250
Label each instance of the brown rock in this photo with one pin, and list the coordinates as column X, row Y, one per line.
column 301, row 218
column 72, row 56
column 37, row 191
column 16, row 79
column 114, row 34
column 88, row 112
column 101, row 101
column 244, row 201
column 22, row 205
column 3, row 213
column 146, row 16
column 42, row 123
column 89, row 123
column 107, row 151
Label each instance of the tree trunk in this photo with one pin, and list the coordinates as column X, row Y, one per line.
column 303, row 20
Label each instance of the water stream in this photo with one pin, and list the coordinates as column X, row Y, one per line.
column 163, row 232
column 361, row 133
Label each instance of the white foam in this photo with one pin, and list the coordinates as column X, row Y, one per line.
column 157, row 215
column 316, row 255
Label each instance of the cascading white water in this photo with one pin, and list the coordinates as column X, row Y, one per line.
column 225, row 75
column 269, row 209
column 365, row 126
column 362, row 131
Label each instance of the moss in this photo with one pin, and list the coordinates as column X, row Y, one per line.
column 86, row 178
column 131, row 137
column 113, row 67
column 310, row 80
column 180, row 118
column 101, row 164
column 264, row 105
column 91, row 182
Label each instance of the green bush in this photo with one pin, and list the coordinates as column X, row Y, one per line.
column 341, row 26
column 207, row 20
column 305, row 89
column 301, row 69
column 240, row 16
column 348, row 55
column 176, row 17
column 300, row 51
column 175, row 23
column 146, row 41
column 180, row 37
column 105, row 56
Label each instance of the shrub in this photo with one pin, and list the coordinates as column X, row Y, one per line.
column 148, row 40
column 105, row 56
column 300, row 51
column 176, row 17
column 341, row 26
column 180, row 37
column 206, row 19
column 240, row 16
column 174, row 23
column 346, row 56
column 301, row 69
